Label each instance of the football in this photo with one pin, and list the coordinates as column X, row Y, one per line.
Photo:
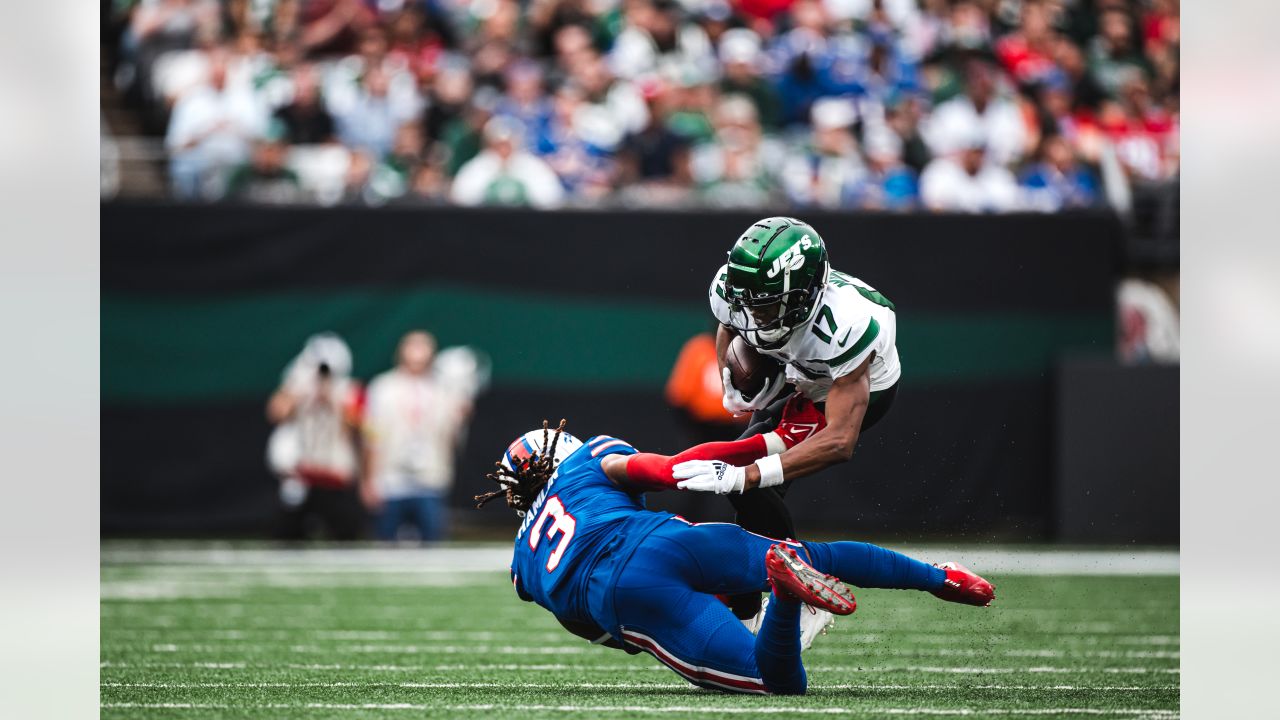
column 748, row 369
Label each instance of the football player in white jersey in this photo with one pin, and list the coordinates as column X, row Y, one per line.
column 834, row 335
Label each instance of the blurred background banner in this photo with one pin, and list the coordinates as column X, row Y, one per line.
column 582, row 315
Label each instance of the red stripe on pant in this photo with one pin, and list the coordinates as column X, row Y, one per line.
column 700, row 676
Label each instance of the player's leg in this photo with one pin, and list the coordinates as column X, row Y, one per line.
column 695, row 635
column 731, row 560
column 761, row 510
column 872, row 566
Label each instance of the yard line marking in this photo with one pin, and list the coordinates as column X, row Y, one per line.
column 684, row 710
column 403, row 649
column 875, row 652
column 611, row 667
column 959, row 711
column 993, row 670
column 864, row 638
column 849, row 645
column 625, row 685
column 867, row 642
column 497, row 558
column 258, row 636
column 1001, row 638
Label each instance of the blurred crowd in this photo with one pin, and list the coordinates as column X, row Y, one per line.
column 961, row 105
column 355, row 461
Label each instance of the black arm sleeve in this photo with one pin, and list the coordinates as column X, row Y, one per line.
column 595, row 635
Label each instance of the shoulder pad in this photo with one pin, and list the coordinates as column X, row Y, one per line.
column 606, row 445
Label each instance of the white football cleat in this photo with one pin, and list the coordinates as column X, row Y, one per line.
column 813, row 622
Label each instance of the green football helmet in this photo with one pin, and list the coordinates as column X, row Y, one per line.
column 777, row 272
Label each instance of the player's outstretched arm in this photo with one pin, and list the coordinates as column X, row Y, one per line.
column 644, row 472
column 649, row 471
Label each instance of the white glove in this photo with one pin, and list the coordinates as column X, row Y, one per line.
column 770, row 392
column 714, row 476
column 736, row 404
column 732, row 400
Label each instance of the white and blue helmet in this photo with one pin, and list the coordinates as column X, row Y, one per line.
column 530, row 444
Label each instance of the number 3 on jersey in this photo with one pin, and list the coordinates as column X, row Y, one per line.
column 564, row 523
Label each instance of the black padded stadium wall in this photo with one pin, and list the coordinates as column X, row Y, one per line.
column 582, row 313
column 1116, row 440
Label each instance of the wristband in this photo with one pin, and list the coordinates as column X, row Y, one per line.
column 773, row 443
column 770, row 470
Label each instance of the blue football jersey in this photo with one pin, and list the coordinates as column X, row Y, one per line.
column 579, row 518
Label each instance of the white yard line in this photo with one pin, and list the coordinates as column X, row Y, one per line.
column 608, row 667
column 497, row 558
column 859, row 650
column 541, row 637
column 397, row 649
column 264, row 634
column 682, row 710
column 481, row 649
column 620, row 686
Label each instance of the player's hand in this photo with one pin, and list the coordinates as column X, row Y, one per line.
column 732, row 400
column 770, row 392
column 714, row 476
column 735, row 403
column 800, row 420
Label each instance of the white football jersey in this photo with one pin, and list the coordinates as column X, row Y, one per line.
column 850, row 321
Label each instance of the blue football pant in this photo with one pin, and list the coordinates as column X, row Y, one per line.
column 666, row 605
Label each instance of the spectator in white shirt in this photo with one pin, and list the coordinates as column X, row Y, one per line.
column 966, row 181
column 822, row 173
column 413, row 423
column 504, row 173
column 369, row 121
column 210, row 131
column 981, row 110
column 654, row 39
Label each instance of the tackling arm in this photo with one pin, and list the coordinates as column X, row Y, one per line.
column 649, row 471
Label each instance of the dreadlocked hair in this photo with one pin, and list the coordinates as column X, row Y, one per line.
column 523, row 483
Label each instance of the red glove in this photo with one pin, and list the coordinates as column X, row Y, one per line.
column 800, row 420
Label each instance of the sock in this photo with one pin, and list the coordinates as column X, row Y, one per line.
column 778, row 648
column 871, row 566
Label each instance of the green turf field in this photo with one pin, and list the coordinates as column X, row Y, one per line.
column 440, row 634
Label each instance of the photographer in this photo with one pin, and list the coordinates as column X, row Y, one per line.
column 312, row 450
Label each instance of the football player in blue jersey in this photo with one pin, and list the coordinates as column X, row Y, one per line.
column 638, row 580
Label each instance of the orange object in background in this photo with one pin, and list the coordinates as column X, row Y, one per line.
column 694, row 385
